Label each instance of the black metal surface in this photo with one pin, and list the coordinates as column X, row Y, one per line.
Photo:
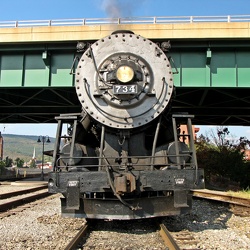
column 149, row 180
column 94, row 184
column 130, row 171
column 114, row 209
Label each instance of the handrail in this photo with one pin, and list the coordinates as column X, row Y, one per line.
column 125, row 20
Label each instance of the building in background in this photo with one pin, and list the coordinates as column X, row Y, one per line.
column 184, row 132
column 247, row 154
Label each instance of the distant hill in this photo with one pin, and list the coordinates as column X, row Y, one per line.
column 22, row 146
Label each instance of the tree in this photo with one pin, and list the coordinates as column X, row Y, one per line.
column 243, row 143
column 19, row 162
column 8, row 162
column 5, row 164
column 205, row 149
column 222, row 133
column 33, row 163
column 222, row 156
column 2, row 166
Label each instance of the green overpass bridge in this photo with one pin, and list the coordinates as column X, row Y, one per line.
column 210, row 54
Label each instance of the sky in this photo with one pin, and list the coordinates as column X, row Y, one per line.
column 60, row 9
column 17, row 10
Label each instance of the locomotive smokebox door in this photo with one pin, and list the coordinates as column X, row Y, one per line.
column 73, row 195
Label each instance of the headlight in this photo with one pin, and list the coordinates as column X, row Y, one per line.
column 51, row 183
column 125, row 74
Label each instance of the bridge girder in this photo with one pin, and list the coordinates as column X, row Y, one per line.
column 213, row 81
column 211, row 106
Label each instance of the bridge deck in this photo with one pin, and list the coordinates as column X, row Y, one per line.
column 152, row 31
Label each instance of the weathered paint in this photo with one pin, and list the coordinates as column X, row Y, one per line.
column 151, row 31
column 227, row 68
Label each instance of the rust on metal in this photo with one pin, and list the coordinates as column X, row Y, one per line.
column 75, row 241
column 168, row 239
column 221, row 196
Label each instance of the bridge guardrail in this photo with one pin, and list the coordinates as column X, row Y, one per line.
column 125, row 20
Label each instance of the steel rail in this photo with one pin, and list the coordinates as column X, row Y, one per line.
column 221, row 196
column 21, row 192
column 168, row 239
column 78, row 237
column 125, row 20
column 4, row 207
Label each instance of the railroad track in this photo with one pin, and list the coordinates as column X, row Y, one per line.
column 177, row 231
column 183, row 239
column 171, row 241
column 13, row 202
column 83, row 231
column 239, row 206
column 168, row 239
column 178, row 240
column 21, row 192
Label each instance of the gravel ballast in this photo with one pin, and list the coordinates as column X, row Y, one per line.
column 42, row 227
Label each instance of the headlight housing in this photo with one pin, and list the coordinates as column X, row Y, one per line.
column 125, row 74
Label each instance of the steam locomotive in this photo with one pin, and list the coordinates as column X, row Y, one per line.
column 124, row 155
